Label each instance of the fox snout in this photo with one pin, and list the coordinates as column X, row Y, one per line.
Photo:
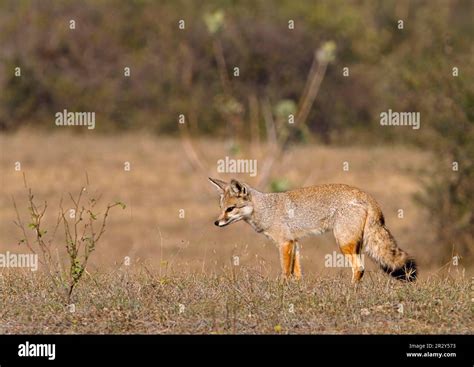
column 222, row 221
column 220, row 224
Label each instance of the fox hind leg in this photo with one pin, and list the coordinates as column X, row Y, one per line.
column 352, row 251
column 348, row 232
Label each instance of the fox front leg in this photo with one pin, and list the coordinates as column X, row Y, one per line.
column 290, row 259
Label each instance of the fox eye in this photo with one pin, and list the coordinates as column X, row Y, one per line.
column 230, row 208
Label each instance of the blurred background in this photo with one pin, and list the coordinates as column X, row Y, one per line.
column 178, row 85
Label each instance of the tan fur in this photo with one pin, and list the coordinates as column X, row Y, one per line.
column 354, row 217
column 290, row 259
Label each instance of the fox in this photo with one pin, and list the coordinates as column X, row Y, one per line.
column 353, row 216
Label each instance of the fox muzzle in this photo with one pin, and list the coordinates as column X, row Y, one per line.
column 223, row 222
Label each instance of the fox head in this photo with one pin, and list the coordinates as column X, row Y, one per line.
column 235, row 201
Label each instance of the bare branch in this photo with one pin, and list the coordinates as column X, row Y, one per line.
column 221, row 64
column 194, row 157
column 254, row 125
column 315, row 78
column 22, row 227
column 274, row 148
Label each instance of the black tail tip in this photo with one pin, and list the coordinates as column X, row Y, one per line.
column 406, row 273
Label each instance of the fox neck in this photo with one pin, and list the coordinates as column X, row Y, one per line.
column 262, row 216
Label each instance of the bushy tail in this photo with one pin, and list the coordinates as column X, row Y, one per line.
column 383, row 249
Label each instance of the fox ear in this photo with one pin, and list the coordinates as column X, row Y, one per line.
column 221, row 185
column 238, row 188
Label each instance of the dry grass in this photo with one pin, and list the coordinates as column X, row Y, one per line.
column 239, row 300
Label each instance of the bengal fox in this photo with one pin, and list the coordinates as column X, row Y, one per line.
column 353, row 215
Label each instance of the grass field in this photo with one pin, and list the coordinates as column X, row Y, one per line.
column 181, row 278
column 235, row 301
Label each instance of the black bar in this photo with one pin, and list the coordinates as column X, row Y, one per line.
column 226, row 349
